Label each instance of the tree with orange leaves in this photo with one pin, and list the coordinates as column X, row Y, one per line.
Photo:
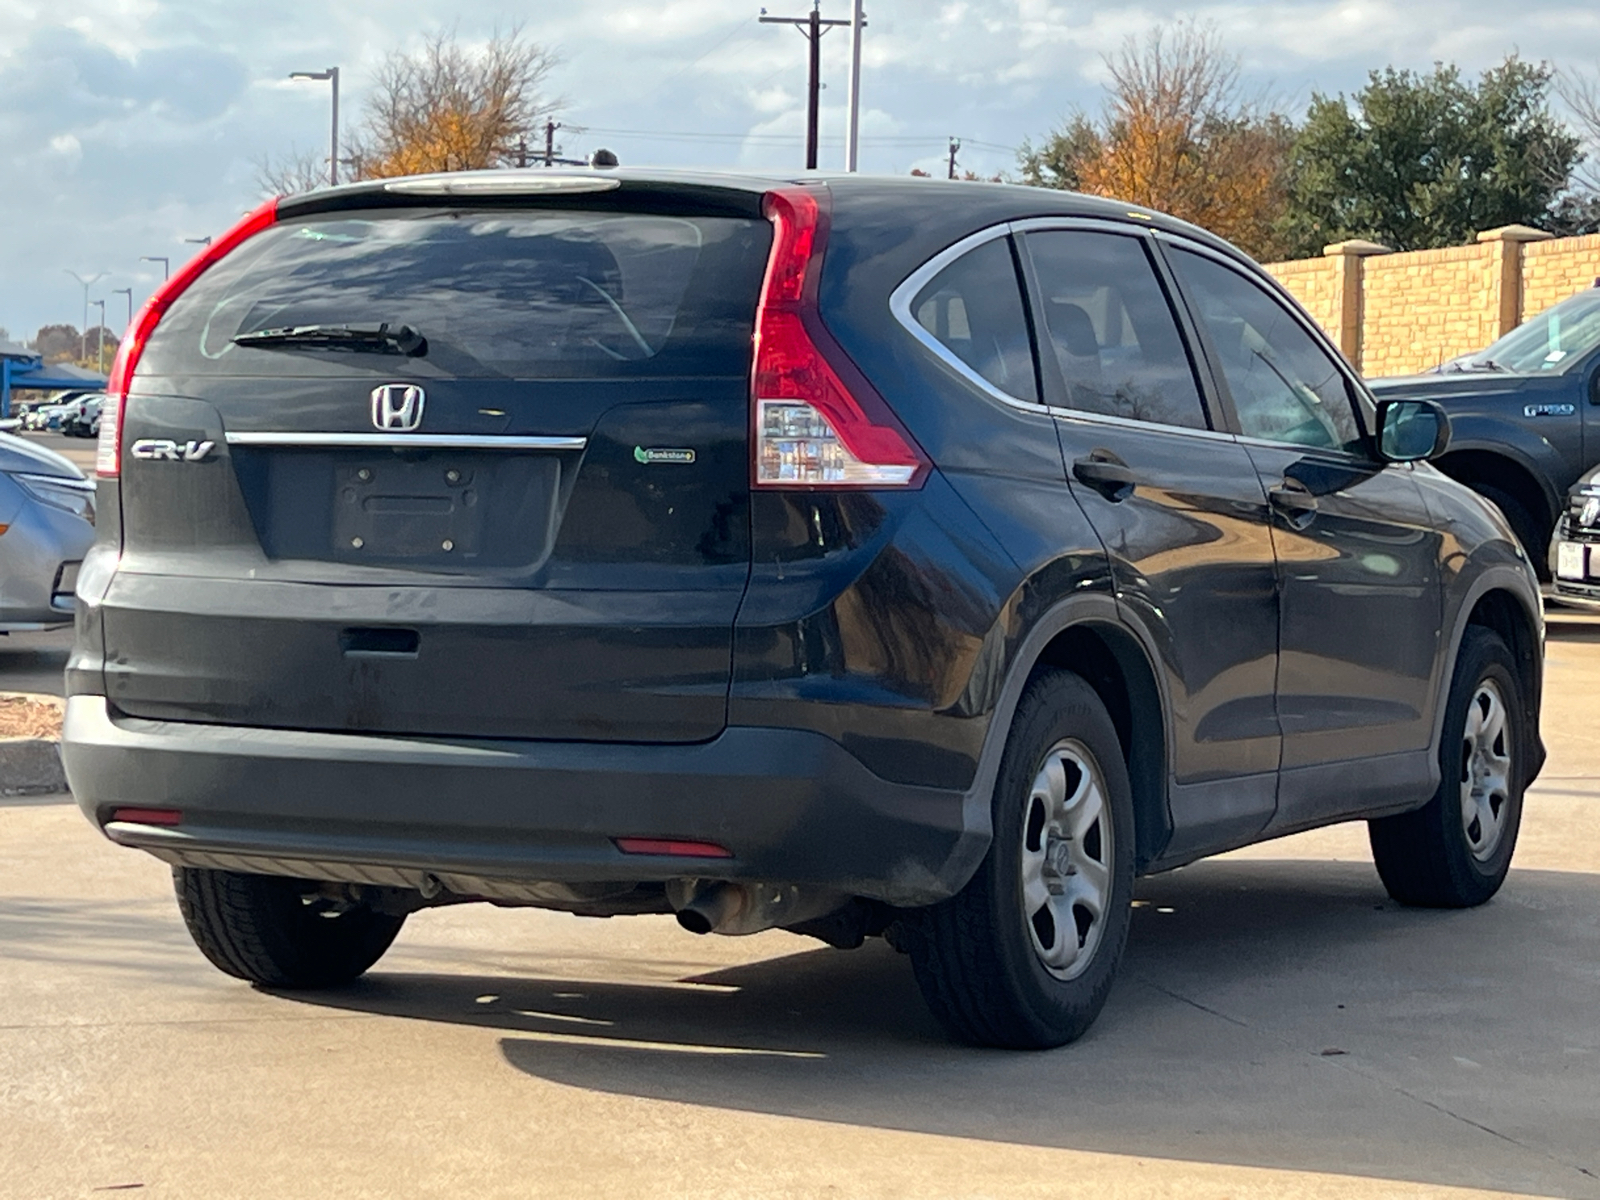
column 1175, row 134
column 447, row 108
column 442, row 107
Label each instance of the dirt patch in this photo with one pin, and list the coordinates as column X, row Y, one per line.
column 24, row 716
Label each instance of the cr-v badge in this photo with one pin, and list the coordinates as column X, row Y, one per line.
column 167, row 450
column 398, row 406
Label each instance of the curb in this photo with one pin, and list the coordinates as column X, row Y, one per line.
column 30, row 767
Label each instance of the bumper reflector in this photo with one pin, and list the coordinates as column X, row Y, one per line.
column 147, row 816
column 673, row 848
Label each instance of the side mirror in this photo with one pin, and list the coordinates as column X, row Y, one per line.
column 1409, row 430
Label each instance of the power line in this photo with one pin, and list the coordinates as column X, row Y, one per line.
column 885, row 139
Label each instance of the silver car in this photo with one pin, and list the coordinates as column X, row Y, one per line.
column 46, row 526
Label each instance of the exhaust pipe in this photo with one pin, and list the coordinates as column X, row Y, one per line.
column 711, row 907
column 720, row 906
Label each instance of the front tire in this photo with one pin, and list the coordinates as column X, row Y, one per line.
column 1455, row 851
column 273, row 931
column 1023, row 957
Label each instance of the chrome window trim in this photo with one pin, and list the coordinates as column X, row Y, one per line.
column 900, row 305
column 1092, row 418
column 1089, row 224
column 401, row 441
column 1257, row 274
column 902, row 296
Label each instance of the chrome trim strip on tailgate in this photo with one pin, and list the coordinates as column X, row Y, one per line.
column 417, row 441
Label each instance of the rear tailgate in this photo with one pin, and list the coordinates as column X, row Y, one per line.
column 536, row 527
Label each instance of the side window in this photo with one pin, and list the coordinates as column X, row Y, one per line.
column 1112, row 330
column 974, row 308
column 1285, row 387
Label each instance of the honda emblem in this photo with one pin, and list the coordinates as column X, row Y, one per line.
column 397, row 406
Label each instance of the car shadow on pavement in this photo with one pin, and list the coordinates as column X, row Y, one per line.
column 1270, row 1013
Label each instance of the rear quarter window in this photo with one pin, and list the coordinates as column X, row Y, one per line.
column 546, row 294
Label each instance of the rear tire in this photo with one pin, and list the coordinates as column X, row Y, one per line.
column 266, row 929
column 1024, row 955
column 1455, row 851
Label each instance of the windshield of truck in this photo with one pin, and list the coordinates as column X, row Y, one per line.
column 1552, row 341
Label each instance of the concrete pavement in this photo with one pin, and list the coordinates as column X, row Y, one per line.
column 1280, row 1029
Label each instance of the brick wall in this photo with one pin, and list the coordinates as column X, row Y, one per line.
column 1420, row 309
column 1397, row 314
column 1553, row 270
column 1315, row 283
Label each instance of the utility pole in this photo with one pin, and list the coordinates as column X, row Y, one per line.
column 550, row 128
column 128, row 292
column 955, row 144
column 813, row 26
column 331, row 75
column 166, row 264
column 100, row 336
column 83, row 338
column 852, row 135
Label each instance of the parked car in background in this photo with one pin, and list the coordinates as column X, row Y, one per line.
column 850, row 556
column 1574, row 554
column 46, row 526
column 1524, row 416
column 49, row 415
column 82, row 418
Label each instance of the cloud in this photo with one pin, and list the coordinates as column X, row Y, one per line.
column 135, row 123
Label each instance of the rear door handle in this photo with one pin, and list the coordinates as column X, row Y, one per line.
column 1106, row 474
column 1298, row 506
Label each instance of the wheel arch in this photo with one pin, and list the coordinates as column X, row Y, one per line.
column 1475, row 466
column 1087, row 635
column 1111, row 661
column 1504, row 602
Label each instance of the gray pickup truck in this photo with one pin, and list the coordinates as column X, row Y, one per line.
column 1524, row 416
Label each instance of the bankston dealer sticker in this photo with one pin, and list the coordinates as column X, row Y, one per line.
column 662, row 455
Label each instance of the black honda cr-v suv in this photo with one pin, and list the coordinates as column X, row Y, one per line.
column 843, row 555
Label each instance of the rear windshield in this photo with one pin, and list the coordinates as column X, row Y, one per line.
column 532, row 294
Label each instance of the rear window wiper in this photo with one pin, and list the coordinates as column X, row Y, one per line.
column 402, row 339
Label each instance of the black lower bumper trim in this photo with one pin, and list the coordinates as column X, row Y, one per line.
column 792, row 805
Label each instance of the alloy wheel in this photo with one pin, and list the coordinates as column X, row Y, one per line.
column 1485, row 771
column 1066, row 859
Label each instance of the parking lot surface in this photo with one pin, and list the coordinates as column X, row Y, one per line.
column 1280, row 1028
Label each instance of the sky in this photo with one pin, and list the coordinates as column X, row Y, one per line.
column 136, row 124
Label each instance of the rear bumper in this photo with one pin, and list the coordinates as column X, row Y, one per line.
column 791, row 805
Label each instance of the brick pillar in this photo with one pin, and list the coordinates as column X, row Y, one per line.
column 1506, row 273
column 1347, row 287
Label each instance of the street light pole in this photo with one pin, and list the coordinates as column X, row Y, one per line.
column 166, row 265
column 83, row 339
column 128, row 292
column 852, row 135
column 100, row 337
column 331, row 75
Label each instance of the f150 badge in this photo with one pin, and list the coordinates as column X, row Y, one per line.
column 167, row 450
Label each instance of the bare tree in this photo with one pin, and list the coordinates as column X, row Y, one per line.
column 1177, row 133
column 297, row 171
column 446, row 107
column 1581, row 92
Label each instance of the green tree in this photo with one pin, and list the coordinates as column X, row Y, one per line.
column 1418, row 161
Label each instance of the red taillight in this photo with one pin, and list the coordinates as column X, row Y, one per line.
column 672, row 847
column 108, row 454
column 816, row 421
column 147, row 816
